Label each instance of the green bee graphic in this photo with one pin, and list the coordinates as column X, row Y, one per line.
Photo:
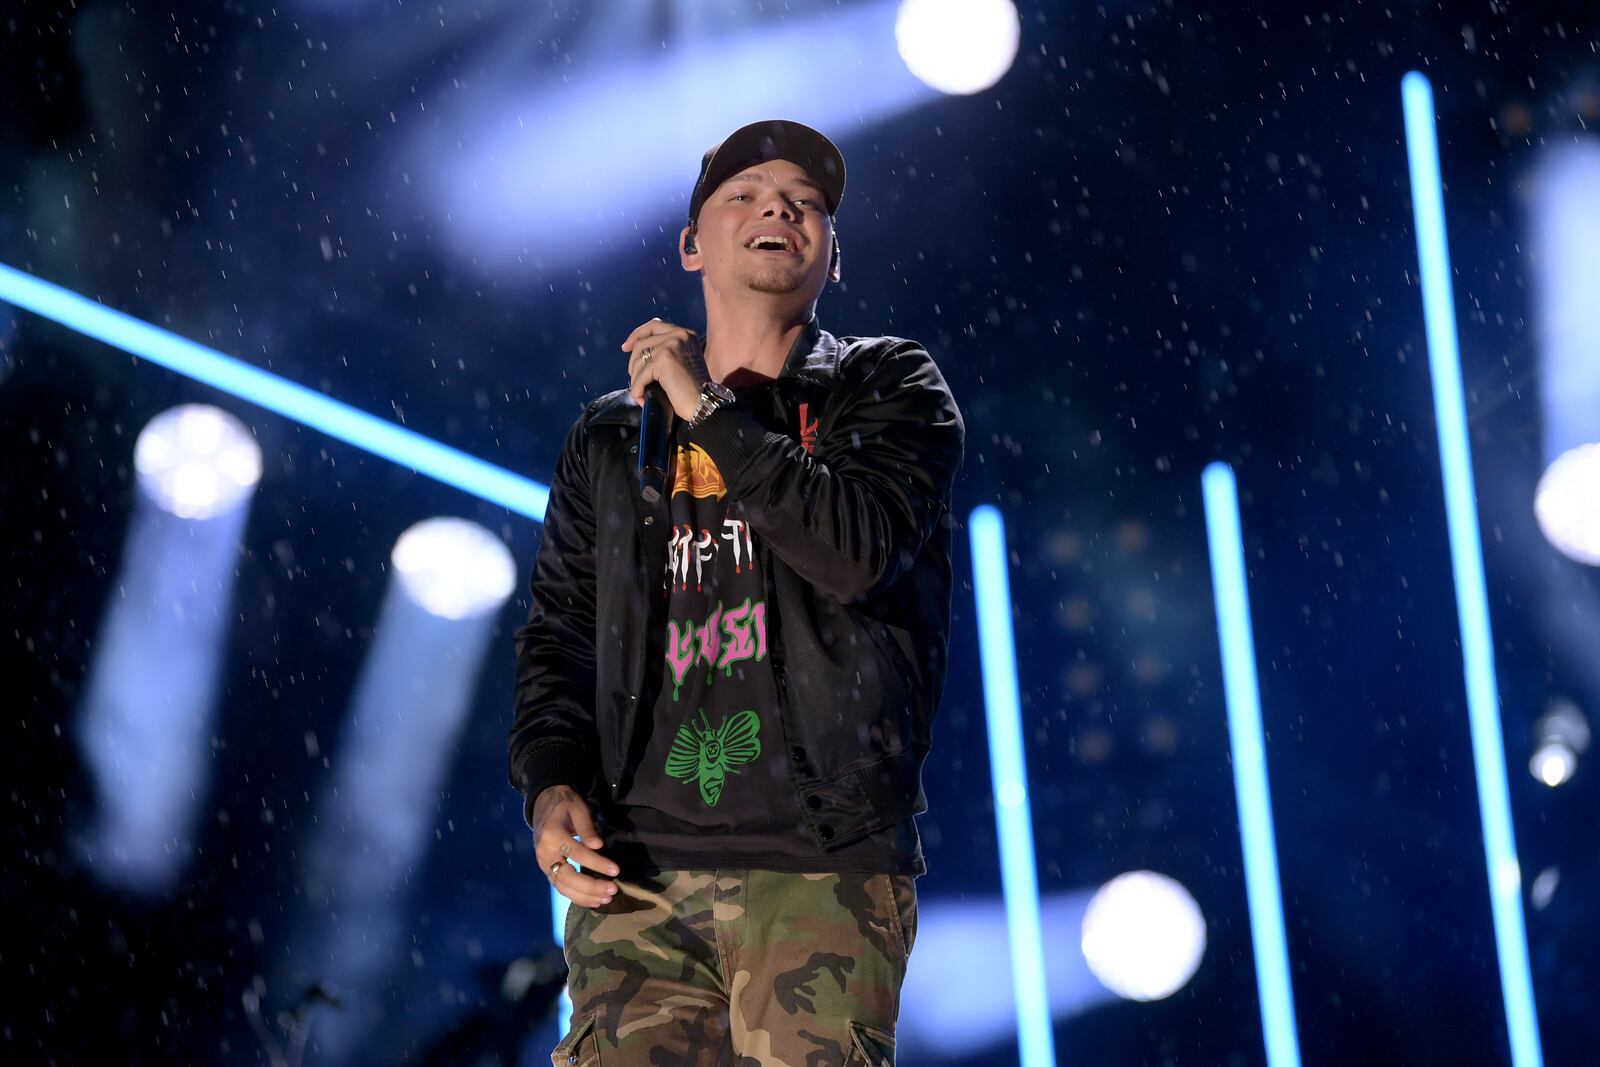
column 709, row 755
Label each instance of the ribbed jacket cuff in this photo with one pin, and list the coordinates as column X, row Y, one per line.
column 554, row 763
column 731, row 438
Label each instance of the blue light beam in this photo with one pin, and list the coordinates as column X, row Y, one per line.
column 307, row 406
column 376, row 822
column 149, row 705
column 1249, row 747
column 1466, row 560
column 483, row 161
column 1008, row 767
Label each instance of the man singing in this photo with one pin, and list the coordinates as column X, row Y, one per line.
column 724, row 698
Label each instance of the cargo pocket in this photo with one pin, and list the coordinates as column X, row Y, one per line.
column 580, row 1048
column 898, row 904
column 903, row 887
column 869, row 1047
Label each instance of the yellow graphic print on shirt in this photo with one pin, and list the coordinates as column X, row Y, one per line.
column 696, row 475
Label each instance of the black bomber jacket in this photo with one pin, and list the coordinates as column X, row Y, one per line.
column 854, row 527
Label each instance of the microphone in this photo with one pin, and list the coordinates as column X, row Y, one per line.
column 654, row 445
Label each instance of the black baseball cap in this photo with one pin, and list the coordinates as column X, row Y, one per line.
column 763, row 141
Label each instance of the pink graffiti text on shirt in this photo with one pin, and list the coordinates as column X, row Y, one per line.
column 728, row 636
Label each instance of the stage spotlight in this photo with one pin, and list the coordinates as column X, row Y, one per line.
column 454, row 568
column 1567, row 503
column 958, row 46
column 1561, row 735
column 146, row 714
column 416, row 684
column 451, row 577
column 1565, row 246
column 1553, row 763
column 197, row 461
column 1143, row 935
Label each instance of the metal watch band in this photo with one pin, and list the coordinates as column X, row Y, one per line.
column 713, row 395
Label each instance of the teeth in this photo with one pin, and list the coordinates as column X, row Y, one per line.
column 770, row 240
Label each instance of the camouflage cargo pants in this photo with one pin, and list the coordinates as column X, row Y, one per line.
column 739, row 968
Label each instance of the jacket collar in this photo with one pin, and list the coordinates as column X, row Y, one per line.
column 814, row 357
column 813, row 360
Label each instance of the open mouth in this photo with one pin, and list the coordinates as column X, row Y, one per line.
column 772, row 244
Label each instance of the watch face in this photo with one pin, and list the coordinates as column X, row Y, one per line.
column 721, row 391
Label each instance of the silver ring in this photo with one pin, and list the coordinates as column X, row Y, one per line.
column 646, row 357
column 566, row 849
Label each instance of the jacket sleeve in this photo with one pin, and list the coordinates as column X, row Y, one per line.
column 852, row 518
column 553, row 737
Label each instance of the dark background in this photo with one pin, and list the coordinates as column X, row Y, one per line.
column 1173, row 233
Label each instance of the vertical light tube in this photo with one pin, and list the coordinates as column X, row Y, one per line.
column 558, row 931
column 1248, row 743
column 1466, row 560
column 1008, row 767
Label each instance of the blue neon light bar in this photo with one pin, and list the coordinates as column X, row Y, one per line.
column 1249, row 745
column 1466, row 560
column 1008, row 768
column 558, row 925
column 332, row 417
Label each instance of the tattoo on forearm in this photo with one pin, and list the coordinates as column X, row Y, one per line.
column 556, row 794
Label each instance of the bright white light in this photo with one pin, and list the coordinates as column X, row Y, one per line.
column 958, row 46
column 454, row 568
column 1544, row 887
column 1553, row 763
column 1567, row 504
column 1143, row 935
column 197, row 461
column 1564, row 251
column 1561, row 735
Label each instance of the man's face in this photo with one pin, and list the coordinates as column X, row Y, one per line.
column 778, row 201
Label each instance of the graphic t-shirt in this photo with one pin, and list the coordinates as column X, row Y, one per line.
column 712, row 788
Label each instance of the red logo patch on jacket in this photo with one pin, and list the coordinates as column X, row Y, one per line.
column 808, row 431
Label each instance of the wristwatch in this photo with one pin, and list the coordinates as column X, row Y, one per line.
column 713, row 395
